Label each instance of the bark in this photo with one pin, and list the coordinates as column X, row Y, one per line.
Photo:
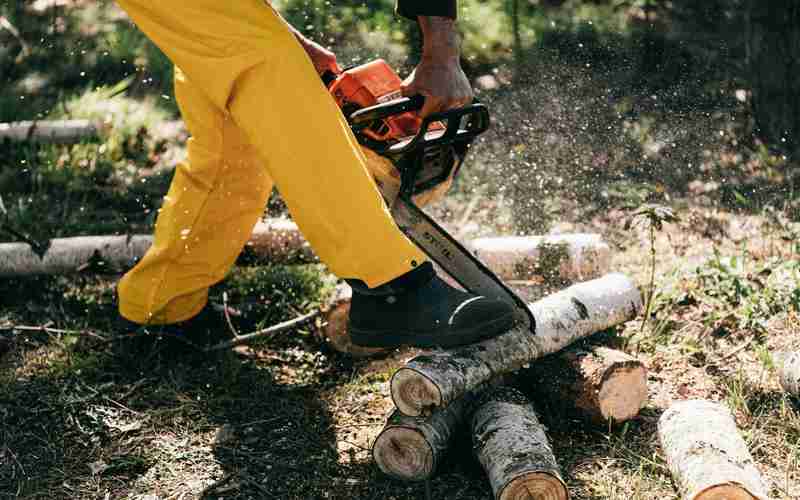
column 545, row 259
column 439, row 377
column 706, row 455
column 276, row 241
column 601, row 384
column 788, row 364
column 412, row 448
column 513, row 449
column 56, row 131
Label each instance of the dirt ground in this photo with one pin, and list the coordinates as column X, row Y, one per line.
column 289, row 418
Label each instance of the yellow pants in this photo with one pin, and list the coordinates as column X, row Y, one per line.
column 258, row 114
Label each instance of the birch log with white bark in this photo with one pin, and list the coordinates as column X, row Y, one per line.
column 412, row 448
column 565, row 257
column 439, row 377
column 276, row 240
column 513, row 449
column 601, row 384
column 707, row 457
column 54, row 131
column 788, row 365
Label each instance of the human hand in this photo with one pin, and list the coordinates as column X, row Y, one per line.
column 439, row 76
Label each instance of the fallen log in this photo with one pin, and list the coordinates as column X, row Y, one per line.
column 439, row 377
column 513, row 449
column 706, row 455
column 601, row 384
column 54, row 131
column 276, row 240
column 788, row 365
column 565, row 258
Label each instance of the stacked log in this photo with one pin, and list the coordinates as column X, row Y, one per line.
column 438, row 378
column 706, row 455
column 600, row 384
column 511, row 445
column 411, row 448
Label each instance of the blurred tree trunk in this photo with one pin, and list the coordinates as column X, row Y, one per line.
column 513, row 8
column 773, row 64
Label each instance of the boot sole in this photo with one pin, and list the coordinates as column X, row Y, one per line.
column 392, row 338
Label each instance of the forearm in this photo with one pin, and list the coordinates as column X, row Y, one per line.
column 440, row 37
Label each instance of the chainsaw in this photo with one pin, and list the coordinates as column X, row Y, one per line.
column 414, row 161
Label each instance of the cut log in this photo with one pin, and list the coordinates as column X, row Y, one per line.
column 598, row 383
column 513, row 449
column 412, row 448
column 55, row 131
column 501, row 255
column 788, row 365
column 334, row 325
column 439, row 377
column 706, row 455
column 277, row 241
column 547, row 259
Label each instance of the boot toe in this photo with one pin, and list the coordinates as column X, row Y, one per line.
column 481, row 310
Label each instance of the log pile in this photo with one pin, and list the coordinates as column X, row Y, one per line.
column 474, row 393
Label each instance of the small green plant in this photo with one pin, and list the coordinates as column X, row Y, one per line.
column 653, row 217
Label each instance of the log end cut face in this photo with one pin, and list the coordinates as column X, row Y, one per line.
column 413, row 393
column 534, row 486
column 725, row 492
column 623, row 392
column 404, row 453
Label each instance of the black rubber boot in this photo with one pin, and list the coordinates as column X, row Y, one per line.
column 419, row 309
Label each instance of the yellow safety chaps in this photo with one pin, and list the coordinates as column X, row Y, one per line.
column 258, row 114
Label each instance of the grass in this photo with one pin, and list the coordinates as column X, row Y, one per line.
column 573, row 148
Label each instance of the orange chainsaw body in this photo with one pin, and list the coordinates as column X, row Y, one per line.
column 367, row 85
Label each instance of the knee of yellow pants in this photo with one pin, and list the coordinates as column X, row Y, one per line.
column 214, row 201
column 320, row 170
column 245, row 59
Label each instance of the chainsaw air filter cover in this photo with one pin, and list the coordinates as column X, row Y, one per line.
column 376, row 83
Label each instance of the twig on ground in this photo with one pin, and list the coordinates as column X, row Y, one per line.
column 737, row 350
column 228, row 315
column 26, row 50
column 273, row 330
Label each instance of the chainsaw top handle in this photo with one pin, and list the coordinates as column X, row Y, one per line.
column 461, row 125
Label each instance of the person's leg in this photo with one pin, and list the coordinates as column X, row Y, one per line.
column 275, row 96
column 207, row 216
column 251, row 67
